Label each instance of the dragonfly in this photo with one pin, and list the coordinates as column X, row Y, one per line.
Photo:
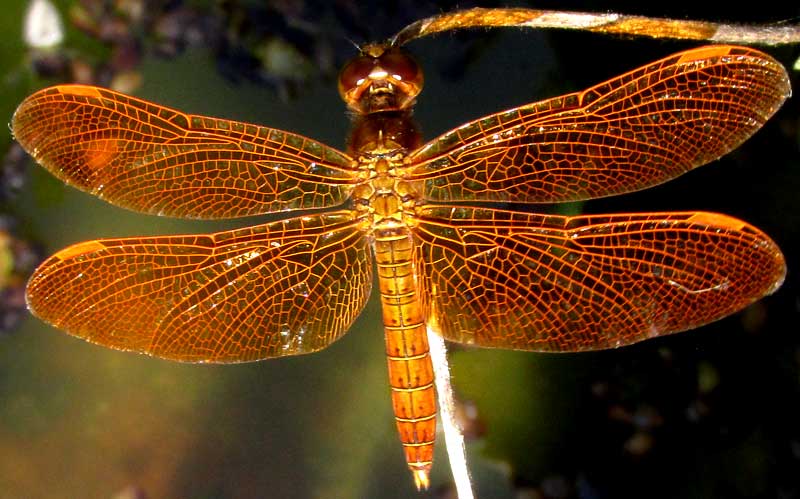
column 429, row 218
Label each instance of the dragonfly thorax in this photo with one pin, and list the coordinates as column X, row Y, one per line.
column 380, row 142
column 384, row 195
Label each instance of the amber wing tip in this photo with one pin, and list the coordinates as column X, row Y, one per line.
column 421, row 479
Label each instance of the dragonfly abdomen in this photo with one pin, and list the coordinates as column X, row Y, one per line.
column 410, row 369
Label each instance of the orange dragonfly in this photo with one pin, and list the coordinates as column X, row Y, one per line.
column 420, row 213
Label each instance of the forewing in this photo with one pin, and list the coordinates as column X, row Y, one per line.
column 550, row 283
column 272, row 290
column 631, row 132
column 153, row 159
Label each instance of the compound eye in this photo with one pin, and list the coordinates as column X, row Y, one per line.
column 355, row 72
column 401, row 66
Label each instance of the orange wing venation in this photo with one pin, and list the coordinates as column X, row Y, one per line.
column 522, row 281
column 153, row 159
column 282, row 288
column 631, row 132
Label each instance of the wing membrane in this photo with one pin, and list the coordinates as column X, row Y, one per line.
column 282, row 288
column 631, row 132
column 153, row 159
column 550, row 283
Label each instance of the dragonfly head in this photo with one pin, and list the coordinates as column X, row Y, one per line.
column 381, row 78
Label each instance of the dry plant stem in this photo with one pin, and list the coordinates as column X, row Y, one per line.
column 453, row 436
column 608, row 23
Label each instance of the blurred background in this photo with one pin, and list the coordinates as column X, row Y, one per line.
column 708, row 413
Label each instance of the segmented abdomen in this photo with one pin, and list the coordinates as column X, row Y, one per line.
column 410, row 368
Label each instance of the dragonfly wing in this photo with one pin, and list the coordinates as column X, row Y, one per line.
column 153, row 159
column 283, row 288
column 523, row 281
column 631, row 132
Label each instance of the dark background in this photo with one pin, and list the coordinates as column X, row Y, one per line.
column 708, row 413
